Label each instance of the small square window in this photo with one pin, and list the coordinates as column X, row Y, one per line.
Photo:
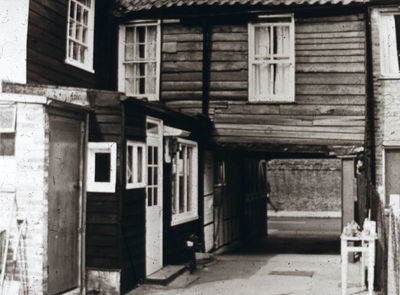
column 272, row 60
column 80, row 34
column 135, row 164
column 390, row 44
column 101, row 172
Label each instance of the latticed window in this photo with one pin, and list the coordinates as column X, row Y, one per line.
column 390, row 44
column 139, row 60
column 184, row 182
column 80, row 31
column 271, row 60
column 135, row 164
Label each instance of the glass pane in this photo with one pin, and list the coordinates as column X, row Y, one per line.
column 7, row 144
column 78, row 35
column 262, row 79
column 75, row 51
column 149, row 175
column 155, row 176
column 78, row 13
column 152, row 128
column 84, row 35
column 262, row 41
column 129, row 43
column 189, row 178
column 173, row 186
column 82, row 54
column 150, row 78
column 151, row 42
column 72, row 10
column 397, row 28
column 129, row 172
column 282, row 79
column 102, row 164
column 155, row 199
column 140, row 164
column 155, row 155
column 181, row 196
column 282, row 41
column 149, row 196
column 85, row 17
column 149, row 155
column 71, row 32
column 140, row 34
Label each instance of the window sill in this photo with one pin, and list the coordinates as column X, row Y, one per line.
column 135, row 186
column 179, row 219
column 79, row 65
column 389, row 77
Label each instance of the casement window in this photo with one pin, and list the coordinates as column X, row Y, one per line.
column 139, row 60
column 102, row 163
column 184, row 182
column 7, row 129
column 135, row 164
column 80, row 32
column 272, row 59
column 390, row 44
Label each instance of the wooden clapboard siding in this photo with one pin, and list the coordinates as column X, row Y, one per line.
column 182, row 62
column 330, row 87
column 46, row 47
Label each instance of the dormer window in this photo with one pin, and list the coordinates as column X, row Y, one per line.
column 139, row 60
column 80, row 31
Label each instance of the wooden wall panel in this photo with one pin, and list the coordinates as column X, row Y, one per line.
column 46, row 47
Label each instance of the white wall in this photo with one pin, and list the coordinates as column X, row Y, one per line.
column 13, row 40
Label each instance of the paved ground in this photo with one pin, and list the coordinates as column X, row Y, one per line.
column 274, row 267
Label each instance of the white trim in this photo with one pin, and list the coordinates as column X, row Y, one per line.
column 135, row 183
column 121, row 57
column 104, row 147
column 179, row 218
column 87, row 65
column 384, row 34
column 271, row 98
column 11, row 128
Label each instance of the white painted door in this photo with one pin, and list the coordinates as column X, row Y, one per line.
column 154, row 201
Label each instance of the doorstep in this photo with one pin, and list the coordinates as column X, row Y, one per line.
column 165, row 275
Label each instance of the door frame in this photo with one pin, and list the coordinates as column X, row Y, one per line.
column 159, row 137
column 82, row 114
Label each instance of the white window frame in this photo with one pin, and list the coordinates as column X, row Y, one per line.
column 135, row 183
column 252, row 61
column 179, row 218
column 385, row 60
column 121, row 58
column 87, row 65
column 101, row 147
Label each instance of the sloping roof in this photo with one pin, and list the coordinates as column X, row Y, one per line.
column 138, row 5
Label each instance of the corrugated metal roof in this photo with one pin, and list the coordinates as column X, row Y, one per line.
column 137, row 5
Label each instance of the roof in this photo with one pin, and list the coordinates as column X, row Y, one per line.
column 138, row 5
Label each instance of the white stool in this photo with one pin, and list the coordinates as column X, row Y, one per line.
column 367, row 248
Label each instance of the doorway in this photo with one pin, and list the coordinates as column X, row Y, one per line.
column 154, row 196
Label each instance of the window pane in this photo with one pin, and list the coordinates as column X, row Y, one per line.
column 155, row 199
column 149, row 196
column 282, row 77
column 129, row 164
column 262, row 41
column 173, row 186
column 262, row 79
column 140, row 164
column 155, row 176
column 155, row 155
column 151, row 77
column 181, row 196
column 72, row 10
column 129, row 44
column 140, row 37
column 152, row 128
column 102, row 167
column 282, row 41
column 189, row 178
column 397, row 28
column 151, row 40
column 7, row 144
column 78, row 13
column 85, row 17
column 149, row 155
column 149, row 175
column 71, row 32
column 82, row 54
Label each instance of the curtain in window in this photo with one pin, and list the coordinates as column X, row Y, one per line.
column 262, row 52
column 282, row 77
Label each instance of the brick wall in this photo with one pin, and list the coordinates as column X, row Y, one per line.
column 305, row 184
column 27, row 189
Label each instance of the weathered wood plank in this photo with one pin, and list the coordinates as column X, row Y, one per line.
column 334, row 18
column 239, row 94
column 332, row 35
column 179, row 85
column 189, row 46
column 181, row 29
column 168, row 37
column 269, row 128
column 331, row 99
column 286, row 140
column 176, row 95
column 329, row 40
column 182, row 56
column 229, row 29
column 330, row 46
column 352, row 110
column 229, row 46
column 229, row 66
column 329, row 59
column 187, row 76
column 289, row 120
column 331, row 78
column 330, row 89
column 331, row 67
column 182, row 66
column 336, row 52
column 228, row 56
column 241, row 75
column 330, row 27
column 229, row 36
column 229, row 85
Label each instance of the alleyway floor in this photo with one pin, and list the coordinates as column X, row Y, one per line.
column 262, row 271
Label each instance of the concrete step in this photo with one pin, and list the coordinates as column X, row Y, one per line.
column 183, row 280
column 165, row 275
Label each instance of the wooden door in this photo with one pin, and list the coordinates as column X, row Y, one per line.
column 64, row 204
column 154, row 197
